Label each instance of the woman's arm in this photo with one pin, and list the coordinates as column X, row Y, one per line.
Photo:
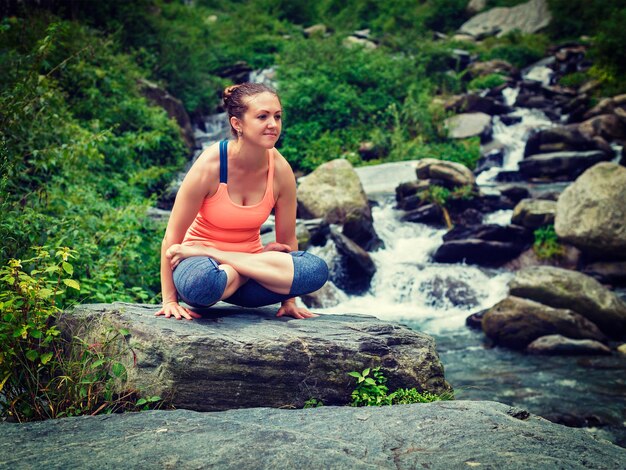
column 200, row 181
column 285, row 220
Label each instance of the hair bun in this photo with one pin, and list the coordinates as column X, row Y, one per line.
column 228, row 91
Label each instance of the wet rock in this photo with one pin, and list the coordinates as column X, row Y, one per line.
column 242, row 358
column 427, row 214
column 319, row 231
column 562, row 288
column 606, row 126
column 467, row 125
column 451, row 173
column 515, row 322
column 359, row 227
column 485, row 245
column 529, row 17
column 473, row 103
column 569, row 258
column 562, row 139
column 560, row 166
column 475, row 320
column 440, row 435
column 515, row 193
column 558, row 344
column 509, row 120
column 534, row 213
column 469, row 217
column 443, row 290
column 607, row 106
column 590, row 213
column 354, row 270
column 607, row 272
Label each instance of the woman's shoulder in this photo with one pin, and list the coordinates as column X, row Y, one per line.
column 281, row 164
column 208, row 162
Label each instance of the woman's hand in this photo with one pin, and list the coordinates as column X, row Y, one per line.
column 275, row 246
column 290, row 309
column 174, row 309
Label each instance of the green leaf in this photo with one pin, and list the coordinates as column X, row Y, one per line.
column 354, row 374
column 32, row 355
column 72, row 283
column 36, row 334
column 118, row 369
column 141, row 401
column 370, row 381
column 366, row 372
column 45, row 357
column 68, row 268
column 124, row 332
column 97, row 363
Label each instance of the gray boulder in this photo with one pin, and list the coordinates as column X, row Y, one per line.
column 467, row 125
column 558, row 344
column 452, row 173
column 515, row 322
column 334, row 192
column 529, row 17
column 440, row 435
column 591, row 212
column 562, row 288
column 534, row 213
column 238, row 358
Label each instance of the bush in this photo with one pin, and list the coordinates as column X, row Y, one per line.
column 66, row 170
column 516, row 48
column 42, row 374
column 546, row 245
column 486, row 82
column 372, row 391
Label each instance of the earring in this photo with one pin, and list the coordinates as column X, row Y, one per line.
column 239, row 132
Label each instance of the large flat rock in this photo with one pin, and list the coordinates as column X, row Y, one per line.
column 242, row 358
column 440, row 435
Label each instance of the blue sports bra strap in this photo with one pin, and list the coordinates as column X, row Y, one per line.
column 223, row 161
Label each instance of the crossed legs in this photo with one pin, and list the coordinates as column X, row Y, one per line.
column 204, row 275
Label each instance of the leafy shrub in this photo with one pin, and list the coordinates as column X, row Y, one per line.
column 546, row 245
column 573, row 80
column 42, row 374
column 372, row 391
column 486, row 82
column 66, row 170
column 516, row 48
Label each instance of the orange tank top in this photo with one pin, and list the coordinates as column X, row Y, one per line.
column 228, row 226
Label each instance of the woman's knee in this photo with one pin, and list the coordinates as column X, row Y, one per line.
column 199, row 281
column 310, row 273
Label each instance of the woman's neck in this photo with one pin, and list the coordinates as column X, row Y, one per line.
column 251, row 156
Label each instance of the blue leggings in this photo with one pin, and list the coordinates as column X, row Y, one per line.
column 200, row 283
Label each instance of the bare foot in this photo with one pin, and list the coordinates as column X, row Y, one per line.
column 176, row 253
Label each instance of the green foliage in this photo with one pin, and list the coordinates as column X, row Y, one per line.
column 313, row 403
column 74, row 132
column 516, row 48
column 371, row 391
column 42, row 374
column 446, row 15
column 486, row 82
column 574, row 80
column 546, row 245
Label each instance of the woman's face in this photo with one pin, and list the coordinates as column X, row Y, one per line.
column 261, row 124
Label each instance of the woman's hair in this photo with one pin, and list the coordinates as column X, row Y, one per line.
column 235, row 101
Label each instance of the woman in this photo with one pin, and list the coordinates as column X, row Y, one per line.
column 212, row 246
